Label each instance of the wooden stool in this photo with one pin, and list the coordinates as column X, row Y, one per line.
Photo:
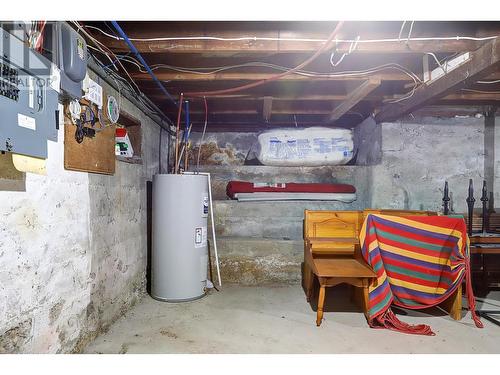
column 334, row 271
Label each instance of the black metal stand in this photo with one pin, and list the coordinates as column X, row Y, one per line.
column 486, row 314
column 446, row 199
column 484, row 199
column 470, row 205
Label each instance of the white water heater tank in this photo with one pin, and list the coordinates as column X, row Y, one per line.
column 315, row 146
column 179, row 258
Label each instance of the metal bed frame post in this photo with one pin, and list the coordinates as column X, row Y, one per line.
column 486, row 314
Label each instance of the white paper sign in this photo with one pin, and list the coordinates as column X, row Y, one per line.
column 94, row 93
column 26, row 121
column 200, row 237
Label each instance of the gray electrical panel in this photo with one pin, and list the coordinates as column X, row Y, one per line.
column 28, row 105
column 71, row 59
column 17, row 28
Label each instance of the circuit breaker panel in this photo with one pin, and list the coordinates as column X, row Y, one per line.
column 28, row 104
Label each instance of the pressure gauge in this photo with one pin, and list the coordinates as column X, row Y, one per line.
column 113, row 110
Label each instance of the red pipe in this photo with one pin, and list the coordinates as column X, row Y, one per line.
column 273, row 78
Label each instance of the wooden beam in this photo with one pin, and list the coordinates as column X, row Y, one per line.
column 481, row 63
column 284, row 98
column 463, row 95
column 448, row 110
column 267, row 108
column 291, row 111
column 172, row 76
column 472, row 96
column 224, row 47
column 354, row 97
column 251, row 126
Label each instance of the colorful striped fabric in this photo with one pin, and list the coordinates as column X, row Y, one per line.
column 419, row 261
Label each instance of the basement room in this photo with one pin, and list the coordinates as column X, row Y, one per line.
column 249, row 184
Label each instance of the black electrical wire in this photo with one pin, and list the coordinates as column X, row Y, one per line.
column 149, row 111
column 93, row 117
column 79, row 134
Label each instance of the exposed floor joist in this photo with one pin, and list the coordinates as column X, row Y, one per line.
column 483, row 96
column 267, row 108
column 354, row 97
column 267, row 46
column 171, row 76
column 183, row 64
column 481, row 63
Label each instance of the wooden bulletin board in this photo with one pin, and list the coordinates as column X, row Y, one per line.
column 95, row 155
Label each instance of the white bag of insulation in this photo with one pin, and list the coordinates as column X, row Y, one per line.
column 314, row 146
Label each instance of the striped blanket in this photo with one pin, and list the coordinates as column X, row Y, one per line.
column 419, row 261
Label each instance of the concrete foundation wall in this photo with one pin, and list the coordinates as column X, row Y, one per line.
column 399, row 165
column 493, row 153
column 402, row 166
column 417, row 158
column 222, row 148
column 73, row 248
column 368, row 142
column 358, row 176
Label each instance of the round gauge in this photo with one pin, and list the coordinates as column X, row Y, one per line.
column 113, row 109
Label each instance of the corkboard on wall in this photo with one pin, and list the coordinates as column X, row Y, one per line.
column 94, row 155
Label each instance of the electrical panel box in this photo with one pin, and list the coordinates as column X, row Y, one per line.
column 28, row 105
column 17, row 28
column 71, row 60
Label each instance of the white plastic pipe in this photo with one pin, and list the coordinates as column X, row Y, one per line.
column 212, row 219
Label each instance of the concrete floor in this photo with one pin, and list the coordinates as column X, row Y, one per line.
column 278, row 320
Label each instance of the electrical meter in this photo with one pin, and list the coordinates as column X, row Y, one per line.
column 71, row 60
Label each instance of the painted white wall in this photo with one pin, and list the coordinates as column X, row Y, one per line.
column 73, row 248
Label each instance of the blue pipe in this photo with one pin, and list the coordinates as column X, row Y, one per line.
column 143, row 62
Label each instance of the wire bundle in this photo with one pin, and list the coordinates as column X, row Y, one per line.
column 354, row 43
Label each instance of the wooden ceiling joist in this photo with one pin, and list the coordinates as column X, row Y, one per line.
column 329, row 100
column 462, row 96
column 354, row 97
column 482, row 62
column 172, row 76
column 229, row 112
column 466, row 96
column 267, row 108
column 225, row 47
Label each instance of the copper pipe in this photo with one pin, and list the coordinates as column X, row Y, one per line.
column 177, row 134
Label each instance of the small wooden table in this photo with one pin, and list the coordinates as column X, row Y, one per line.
column 335, row 263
